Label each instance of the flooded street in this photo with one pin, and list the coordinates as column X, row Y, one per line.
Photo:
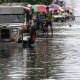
column 55, row 58
column 52, row 57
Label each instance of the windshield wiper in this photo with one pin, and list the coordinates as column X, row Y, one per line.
column 19, row 18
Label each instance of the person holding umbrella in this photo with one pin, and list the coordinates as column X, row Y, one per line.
column 32, row 31
column 48, row 19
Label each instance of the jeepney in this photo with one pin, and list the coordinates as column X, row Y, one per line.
column 14, row 22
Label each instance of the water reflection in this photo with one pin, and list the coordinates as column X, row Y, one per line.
column 66, row 43
column 4, row 51
column 10, row 62
column 38, row 60
column 54, row 57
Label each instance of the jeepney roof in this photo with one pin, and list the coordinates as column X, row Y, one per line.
column 13, row 8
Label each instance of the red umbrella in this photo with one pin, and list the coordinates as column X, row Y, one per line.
column 39, row 8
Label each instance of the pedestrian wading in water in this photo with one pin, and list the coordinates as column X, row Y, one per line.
column 32, row 31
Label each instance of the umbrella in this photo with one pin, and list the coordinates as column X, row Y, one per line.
column 55, row 7
column 39, row 8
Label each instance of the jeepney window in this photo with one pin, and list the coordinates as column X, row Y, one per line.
column 11, row 18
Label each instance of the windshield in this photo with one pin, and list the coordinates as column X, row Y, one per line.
column 11, row 18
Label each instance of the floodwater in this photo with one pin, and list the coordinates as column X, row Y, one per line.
column 54, row 57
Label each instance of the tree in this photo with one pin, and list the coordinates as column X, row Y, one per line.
column 28, row 1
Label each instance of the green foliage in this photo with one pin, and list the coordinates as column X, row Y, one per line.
column 28, row 1
column 36, row 1
column 43, row 1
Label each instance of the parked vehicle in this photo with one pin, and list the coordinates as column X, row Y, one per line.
column 58, row 18
column 14, row 22
column 64, row 16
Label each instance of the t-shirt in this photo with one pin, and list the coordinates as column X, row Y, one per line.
column 48, row 17
column 39, row 17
